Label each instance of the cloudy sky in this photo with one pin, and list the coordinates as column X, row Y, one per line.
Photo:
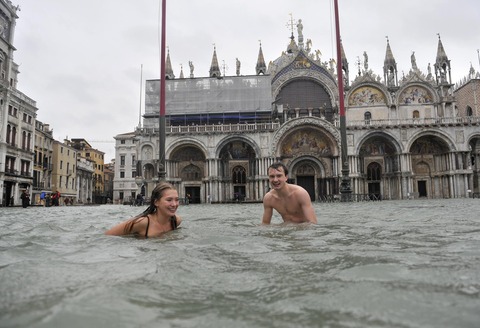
column 81, row 61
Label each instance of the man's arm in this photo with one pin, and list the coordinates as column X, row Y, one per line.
column 267, row 211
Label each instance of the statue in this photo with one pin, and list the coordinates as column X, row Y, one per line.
column 365, row 60
column 191, row 68
column 414, row 61
column 300, row 31
column 238, row 67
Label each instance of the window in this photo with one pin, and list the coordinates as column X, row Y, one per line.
column 122, row 160
column 61, row 165
column 239, row 175
column 122, row 175
column 469, row 111
column 122, row 142
column 120, row 195
column 416, row 114
column 367, row 116
column 374, row 172
column 134, row 174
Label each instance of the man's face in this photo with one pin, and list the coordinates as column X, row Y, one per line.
column 277, row 177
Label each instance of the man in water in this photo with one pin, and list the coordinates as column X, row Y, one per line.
column 292, row 202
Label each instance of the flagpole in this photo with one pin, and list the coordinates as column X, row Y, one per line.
column 161, row 166
column 345, row 189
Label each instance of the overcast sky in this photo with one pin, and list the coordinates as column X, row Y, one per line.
column 81, row 60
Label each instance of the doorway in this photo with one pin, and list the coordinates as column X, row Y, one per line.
column 194, row 193
column 308, row 183
column 374, row 190
column 422, row 188
column 239, row 193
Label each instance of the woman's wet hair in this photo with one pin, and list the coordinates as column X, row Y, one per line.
column 157, row 193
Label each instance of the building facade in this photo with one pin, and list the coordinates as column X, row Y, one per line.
column 17, row 118
column 406, row 135
column 64, row 171
column 43, row 167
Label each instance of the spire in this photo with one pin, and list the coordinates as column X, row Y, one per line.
column 181, row 72
column 390, row 67
column 261, row 66
column 442, row 64
column 214, row 68
column 292, row 46
column 441, row 55
column 168, row 69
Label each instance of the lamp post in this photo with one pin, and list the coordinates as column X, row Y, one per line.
column 161, row 127
column 345, row 189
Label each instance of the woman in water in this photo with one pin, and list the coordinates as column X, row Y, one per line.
column 157, row 219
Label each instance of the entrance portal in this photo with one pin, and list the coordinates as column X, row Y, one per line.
column 374, row 190
column 239, row 193
column 194, row 193
column 422, row 188
column 308, row 183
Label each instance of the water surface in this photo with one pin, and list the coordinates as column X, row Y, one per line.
column 372, row 264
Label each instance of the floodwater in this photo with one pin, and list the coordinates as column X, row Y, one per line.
column 372, row 264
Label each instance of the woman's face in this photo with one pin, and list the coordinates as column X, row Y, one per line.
column 168, row 203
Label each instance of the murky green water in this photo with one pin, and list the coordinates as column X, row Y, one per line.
column 375, row 264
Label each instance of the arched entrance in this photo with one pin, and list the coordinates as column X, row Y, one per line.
column 189, row 167
column 379, row 168
column 431, row 154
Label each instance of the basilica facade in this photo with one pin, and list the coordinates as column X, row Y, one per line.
column 407, row 136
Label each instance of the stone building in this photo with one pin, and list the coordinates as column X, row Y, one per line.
column 43, row 167
column 406, row 136
column 17, row 117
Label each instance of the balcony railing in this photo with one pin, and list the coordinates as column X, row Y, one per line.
column 259, row 127
column 412, row 122
column 223, row 128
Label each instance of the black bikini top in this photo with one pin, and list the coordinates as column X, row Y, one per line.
column 173, row 222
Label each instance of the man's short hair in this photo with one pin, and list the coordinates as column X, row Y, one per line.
column 277, row 165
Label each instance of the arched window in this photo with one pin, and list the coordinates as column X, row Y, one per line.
column 239, row 175
column 374, row 172
column 14, row 136
column 29, row 137
column 24, row 140
column 469, row 111
column 9, row 130
column 367, row 116
column 416, row 114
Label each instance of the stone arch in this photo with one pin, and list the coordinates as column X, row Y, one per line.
column 367, row 95
column 189, row 161
column 391, row 140
column 236, row 151
column 416, row 93
column 147, row 151
column 327, row 130
column 431, row 134
column 236, row 137
column 322, row 79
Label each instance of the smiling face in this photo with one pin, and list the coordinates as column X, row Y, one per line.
column 277, row 177
column 168, row 203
